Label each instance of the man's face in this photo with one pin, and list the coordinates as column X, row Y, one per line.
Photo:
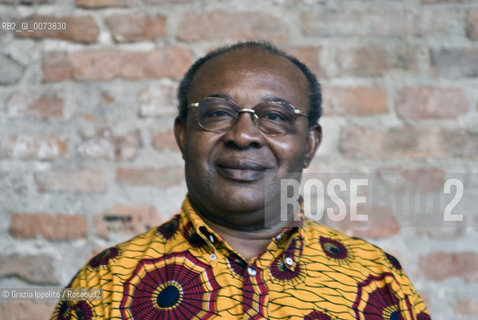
column 226, row 172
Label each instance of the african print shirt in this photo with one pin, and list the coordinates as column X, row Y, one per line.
column 183, row 270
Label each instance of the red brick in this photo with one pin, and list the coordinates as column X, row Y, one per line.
column 45, row 107
column 374, row 61
column 158, row 100
column 164, row 140
column 52, row 227
column 131, row 28
column 35, row 147
column 56, row 66
column 26, row 310
column 158, row 178
column 103, row 3
column 431, row 103
column 78, row 29
column 310, row 56
column 105, row 145
column 108, row 64
column 233, row 26
column 439, row 266
column 126, row 221
column 472, row 24
column 171, row 62
column 401, row 179
column 65, row 180
column 467, row 307
column 407, row 143
column 354, row 100
column 455, row 63
column 381, row 222
column 332, row 23
column 98, row 64
column 35, row 269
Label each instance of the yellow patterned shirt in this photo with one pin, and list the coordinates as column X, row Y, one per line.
column 183, row 270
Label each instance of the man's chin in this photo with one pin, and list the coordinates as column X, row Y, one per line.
column 247, row 220
column 241, row 204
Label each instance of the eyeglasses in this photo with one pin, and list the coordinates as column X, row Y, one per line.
column 273, row 117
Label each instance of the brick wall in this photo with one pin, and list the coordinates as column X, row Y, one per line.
column 87, row 156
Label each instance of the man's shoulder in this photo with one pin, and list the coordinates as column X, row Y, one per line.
column 317, row 229
column 351, row 249
column 147, row 245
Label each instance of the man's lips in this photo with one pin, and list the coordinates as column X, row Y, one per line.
column 241, row 164
column 244, row 170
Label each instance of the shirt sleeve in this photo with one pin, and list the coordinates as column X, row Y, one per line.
column 97, row 305
column 417, row 306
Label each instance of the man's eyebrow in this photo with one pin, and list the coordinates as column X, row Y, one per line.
column 275, row 99
column 265, row 99
column 220, row 95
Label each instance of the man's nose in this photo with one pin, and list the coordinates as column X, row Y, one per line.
column 244, row 133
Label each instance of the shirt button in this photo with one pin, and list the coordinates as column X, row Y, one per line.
column 251, row 271
column 278, row 237
column 289, row 261
column 213, row 256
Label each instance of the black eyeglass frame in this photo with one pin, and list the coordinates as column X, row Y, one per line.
column 255, row 117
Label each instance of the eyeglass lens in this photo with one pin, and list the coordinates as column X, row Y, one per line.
column 218, row 115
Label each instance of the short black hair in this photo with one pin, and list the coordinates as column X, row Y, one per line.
column 315, row 96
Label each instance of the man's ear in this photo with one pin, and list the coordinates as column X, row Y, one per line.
column 180, row 133
column 314, row 138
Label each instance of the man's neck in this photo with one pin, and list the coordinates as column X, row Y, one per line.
column 249, row 244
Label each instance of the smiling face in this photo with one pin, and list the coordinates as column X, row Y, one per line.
column 225, row 172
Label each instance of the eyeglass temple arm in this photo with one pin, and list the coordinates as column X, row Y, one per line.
column 302, row 113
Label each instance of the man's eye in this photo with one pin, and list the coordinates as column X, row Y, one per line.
column 273, row 116
column 218, row 113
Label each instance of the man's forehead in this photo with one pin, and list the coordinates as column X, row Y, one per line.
column 254, row 61
column 245, row 57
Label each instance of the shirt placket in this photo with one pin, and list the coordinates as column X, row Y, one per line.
column 254, row 290
column 254, row 294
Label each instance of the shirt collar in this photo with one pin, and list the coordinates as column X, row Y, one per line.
column 197, row 232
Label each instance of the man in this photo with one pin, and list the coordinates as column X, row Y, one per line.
column 248, row 114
